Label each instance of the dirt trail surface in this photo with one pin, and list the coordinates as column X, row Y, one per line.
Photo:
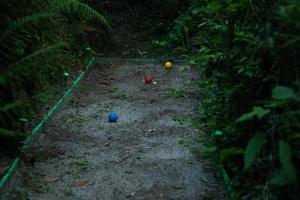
column 80, row 155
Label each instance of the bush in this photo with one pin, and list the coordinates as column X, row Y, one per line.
column 249, row 54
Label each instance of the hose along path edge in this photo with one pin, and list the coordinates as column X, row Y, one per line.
column 36, row 130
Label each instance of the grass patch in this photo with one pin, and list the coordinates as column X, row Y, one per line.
column 181, row 141
column 112, row 89
column 181, row 120
column 184, row 68
column 83, row 164
column 122, row 96
column 176, row 93
column 36, row 184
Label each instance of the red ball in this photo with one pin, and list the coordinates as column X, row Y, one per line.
column 148, row 79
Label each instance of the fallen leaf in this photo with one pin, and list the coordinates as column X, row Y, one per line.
column 102, row 74
column 80, row 183
column 104, row 83
column 50, row 179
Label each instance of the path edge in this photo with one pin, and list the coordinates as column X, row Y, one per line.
column 4, row 181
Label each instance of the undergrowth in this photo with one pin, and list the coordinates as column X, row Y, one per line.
column 39, row 42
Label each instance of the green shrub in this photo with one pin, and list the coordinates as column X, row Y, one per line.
column 248, row 53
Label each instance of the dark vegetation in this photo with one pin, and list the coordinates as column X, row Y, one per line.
column 247, row 51
column 39, row 41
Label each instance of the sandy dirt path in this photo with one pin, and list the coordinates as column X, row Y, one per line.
column 80, row 155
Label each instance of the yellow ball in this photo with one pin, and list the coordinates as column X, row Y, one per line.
column 168, row 65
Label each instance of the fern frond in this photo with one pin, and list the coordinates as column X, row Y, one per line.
column 18, row 34
column 10, row 112
column 10, row 106
column 85, row 11
column 7, row 53
column 39, row 52
column 19, row 72
column 9, row 133
column 22, row 23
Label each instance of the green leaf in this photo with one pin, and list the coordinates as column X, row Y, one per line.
column 217, row 133
column 260, row 112
column 66, row 74
column 285, row 157
column 202, row 24
column 279, row 178
column 24, row 120
column 192, row 62
column 256, row 111
column 82, row 9
column 273, row 103
column 253, row 148
column 196, row 11
column 282, row 92
column 246, row 116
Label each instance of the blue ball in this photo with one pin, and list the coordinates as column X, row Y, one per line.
column 113, row 117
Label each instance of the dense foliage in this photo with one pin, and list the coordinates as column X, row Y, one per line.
column 248, row 51
column 38, row 41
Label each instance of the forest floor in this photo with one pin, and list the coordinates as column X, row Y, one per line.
column 81, row 155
